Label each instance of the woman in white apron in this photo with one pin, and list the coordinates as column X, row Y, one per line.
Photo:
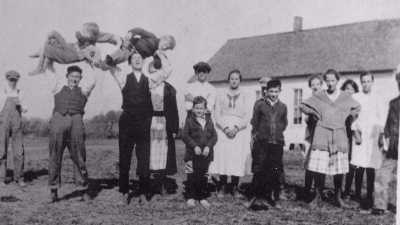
column 232, row 150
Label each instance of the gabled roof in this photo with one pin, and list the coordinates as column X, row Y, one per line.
column 372, row 45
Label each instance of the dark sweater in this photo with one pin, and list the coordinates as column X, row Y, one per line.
column 269, row 121
column 136, row 97
column 70, row 101
column 392, row 128
column 194, row 135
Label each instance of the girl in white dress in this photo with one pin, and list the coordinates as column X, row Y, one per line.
column 232, row 121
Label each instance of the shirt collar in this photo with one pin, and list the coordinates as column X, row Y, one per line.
column 137, row 75
column 272, row 103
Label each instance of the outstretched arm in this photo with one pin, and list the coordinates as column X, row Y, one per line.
column 119, row 78
column 56, row 84
column 109, row 38
column 88, row 87
column 161, row 74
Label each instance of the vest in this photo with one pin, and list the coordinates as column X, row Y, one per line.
column 136, row 96
column 70, row 101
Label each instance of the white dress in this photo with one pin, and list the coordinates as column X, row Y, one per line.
column 370, row 121
column 231, row 156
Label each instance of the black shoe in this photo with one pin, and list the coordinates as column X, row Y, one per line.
column 54, row 195
column 338, row 202
column 256, row 205
column 366, row 204
column 392, row 208
column 317, row 201
column 277, row 195
column 356, row 198
column 378, row 212
column 148, row 195
column 346, row 195
column 271, row 202
column 110, row 61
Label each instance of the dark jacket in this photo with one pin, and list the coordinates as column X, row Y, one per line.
column 172, row 120
column 194, row 135
column 392, row 128
column 269, row 121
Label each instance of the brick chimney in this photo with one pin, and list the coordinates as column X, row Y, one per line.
column 298, row 23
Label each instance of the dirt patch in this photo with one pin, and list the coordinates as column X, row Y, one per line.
column 30, row 205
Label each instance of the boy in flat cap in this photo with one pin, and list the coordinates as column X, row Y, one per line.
column 11, row 126
column 201, row 87
column 67, row 128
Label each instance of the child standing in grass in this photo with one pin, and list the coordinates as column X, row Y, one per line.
column 269, row 121
column 199, row 136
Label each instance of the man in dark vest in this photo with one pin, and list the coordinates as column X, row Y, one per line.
column 67, row 128
column 134, row 127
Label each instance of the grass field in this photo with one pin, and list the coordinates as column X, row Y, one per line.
column 31, row 205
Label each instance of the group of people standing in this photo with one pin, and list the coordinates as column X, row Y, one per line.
column 350, row 133
column 347, row 132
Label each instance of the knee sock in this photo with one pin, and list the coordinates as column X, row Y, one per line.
column 223, row 181
column 308, row 178
column 235, row 181
column 370, row 182
column 359, row 180
column 349, row 179
column 337, row 181
column 319, row 182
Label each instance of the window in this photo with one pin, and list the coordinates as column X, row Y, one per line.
column 298, row 97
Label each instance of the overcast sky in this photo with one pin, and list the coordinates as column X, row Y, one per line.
column 200, row 28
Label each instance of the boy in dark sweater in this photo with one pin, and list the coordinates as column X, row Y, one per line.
column 269, row 122
column 200, row 136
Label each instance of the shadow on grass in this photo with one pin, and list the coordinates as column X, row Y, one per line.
column 32, row 175
column 95, row 186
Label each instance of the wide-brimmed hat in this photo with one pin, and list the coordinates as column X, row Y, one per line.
column 12, row 75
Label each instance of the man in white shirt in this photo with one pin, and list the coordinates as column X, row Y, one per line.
column 200, row 87
column 134, row 127
column 366, row 156
column 11, row 127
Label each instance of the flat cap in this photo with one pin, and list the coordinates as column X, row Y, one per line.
column 12, row 75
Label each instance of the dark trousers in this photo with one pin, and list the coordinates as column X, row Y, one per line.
column 197, row 181
column 267, row 168
column 134, row 132
column 358, row 173
column 370, row 181
column 66, row 131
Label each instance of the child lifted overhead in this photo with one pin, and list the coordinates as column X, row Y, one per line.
column 144, row 42
column 56, row 49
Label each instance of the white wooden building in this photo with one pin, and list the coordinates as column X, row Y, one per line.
column 293, row 56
